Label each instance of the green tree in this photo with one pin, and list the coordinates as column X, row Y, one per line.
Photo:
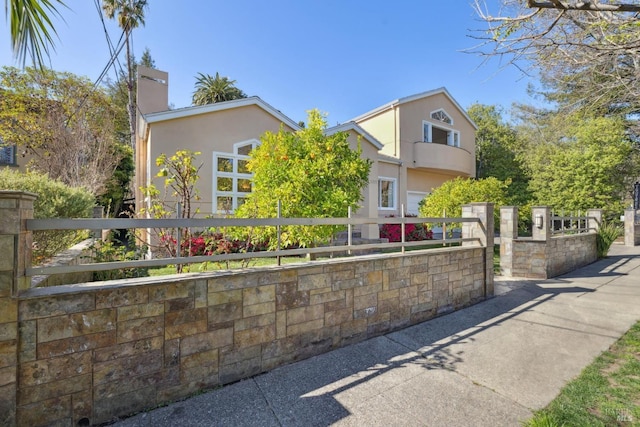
column 130, row 15
column 498, row 152
column 210, row 90
column 31, row 28
column 180, row 176
column 452, row 195
column 62, row 122
column 313, row 175
column 590, row 166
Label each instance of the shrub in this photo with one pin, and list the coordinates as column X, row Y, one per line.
column 55, row 200
column 412, row 232
column 606, row 235
column 109, row 251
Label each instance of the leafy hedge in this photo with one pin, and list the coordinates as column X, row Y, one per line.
column 55, row 200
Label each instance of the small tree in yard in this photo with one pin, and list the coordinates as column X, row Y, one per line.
column 452, row 195
column 180, row 177
column 312, row 174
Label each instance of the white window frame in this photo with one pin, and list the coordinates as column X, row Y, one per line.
column 234, row 175
column 443, row 111
column 394, row 196
column 453, row 136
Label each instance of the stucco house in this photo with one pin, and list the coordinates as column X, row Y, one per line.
column 415, row 144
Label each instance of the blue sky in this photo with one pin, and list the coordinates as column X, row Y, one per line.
column 344, row 57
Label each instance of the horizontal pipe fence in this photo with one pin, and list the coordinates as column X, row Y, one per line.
column 209, row 223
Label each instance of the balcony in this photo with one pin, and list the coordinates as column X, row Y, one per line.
column 443, row 158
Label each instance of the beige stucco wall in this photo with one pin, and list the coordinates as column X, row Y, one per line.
column 207, row 133
column 384, row 127
column 412, row 114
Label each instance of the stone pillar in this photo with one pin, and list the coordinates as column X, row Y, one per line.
column 15, row 247
column 541, row 230
column 630, row 227
column 484, row 231
column 508, row 233
column 594, row 220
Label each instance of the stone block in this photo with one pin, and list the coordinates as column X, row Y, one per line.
column 287, row 296
column 8, row 353
column 136, row 329
column 280, row 276
column 56, row 305
column 128, row 349
column 45, row 371
column 120, row 297
column 201, row 359
column 76, row 324
column 365, row 301
column 51, row 412
column 74, row 345
column 206, row 341
column 353, row 328
column 240, row 370
column 125, row 403
column 255, row 321
column 8, row 404
column 138, row 311
column 66, row 386
column 259, row 295
column 8, row 310
column 305, row 314
column 258, row 309
column 172, row 291
column 234, row 355
column 201, row 293
column 314, row 281
column 281, row 324
column 81, row 407
column 179, row 304
column 8, row 375
column 223, row 313
column 348, row 284
column 127, row 367
column 324, row 297
column 335, row 305
column 183, row 323
column 338, row 317
column 254, row 336
column 224, row 297
column 7, row 249
column 300, row 328
column 367, row 290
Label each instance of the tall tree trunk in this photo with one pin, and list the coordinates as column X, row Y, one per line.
column 131, row 107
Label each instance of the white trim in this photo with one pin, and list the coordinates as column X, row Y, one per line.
column 253, row 141
column 356, row 128
column 234, row 175
column 220, row 106
column 444, row 127
column 394, row 181
column 445, row 113
column 422, row 195
column 411, row 98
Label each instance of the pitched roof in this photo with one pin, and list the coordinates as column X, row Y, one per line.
column 220, row 106
column 345, row 127
column 411, row 98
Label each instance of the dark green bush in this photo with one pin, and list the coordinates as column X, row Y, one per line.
column 55, row 200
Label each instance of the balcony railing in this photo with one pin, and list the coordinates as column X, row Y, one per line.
column 441, row 157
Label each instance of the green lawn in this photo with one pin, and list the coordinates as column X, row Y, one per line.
column 606, row 393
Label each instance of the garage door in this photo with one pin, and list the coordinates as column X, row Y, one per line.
column 413, row 200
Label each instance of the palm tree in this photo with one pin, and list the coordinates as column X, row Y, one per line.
column 130, row 15
column 31, row 28
column 210, row 90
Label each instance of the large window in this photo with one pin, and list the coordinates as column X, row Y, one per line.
column 386, row 193
column 231, row 177
column 439, row 135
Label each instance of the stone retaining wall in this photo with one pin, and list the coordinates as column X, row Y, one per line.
column 92, row 352
column 543, row 256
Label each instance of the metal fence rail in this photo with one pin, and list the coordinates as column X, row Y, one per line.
column 569, row 224
column 207, row 223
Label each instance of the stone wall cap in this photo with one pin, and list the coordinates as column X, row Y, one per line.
column 6, row 194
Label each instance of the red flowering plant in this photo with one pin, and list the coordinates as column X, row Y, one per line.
column 412, row 232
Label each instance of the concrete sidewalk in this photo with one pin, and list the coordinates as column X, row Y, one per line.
column 488, row 365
